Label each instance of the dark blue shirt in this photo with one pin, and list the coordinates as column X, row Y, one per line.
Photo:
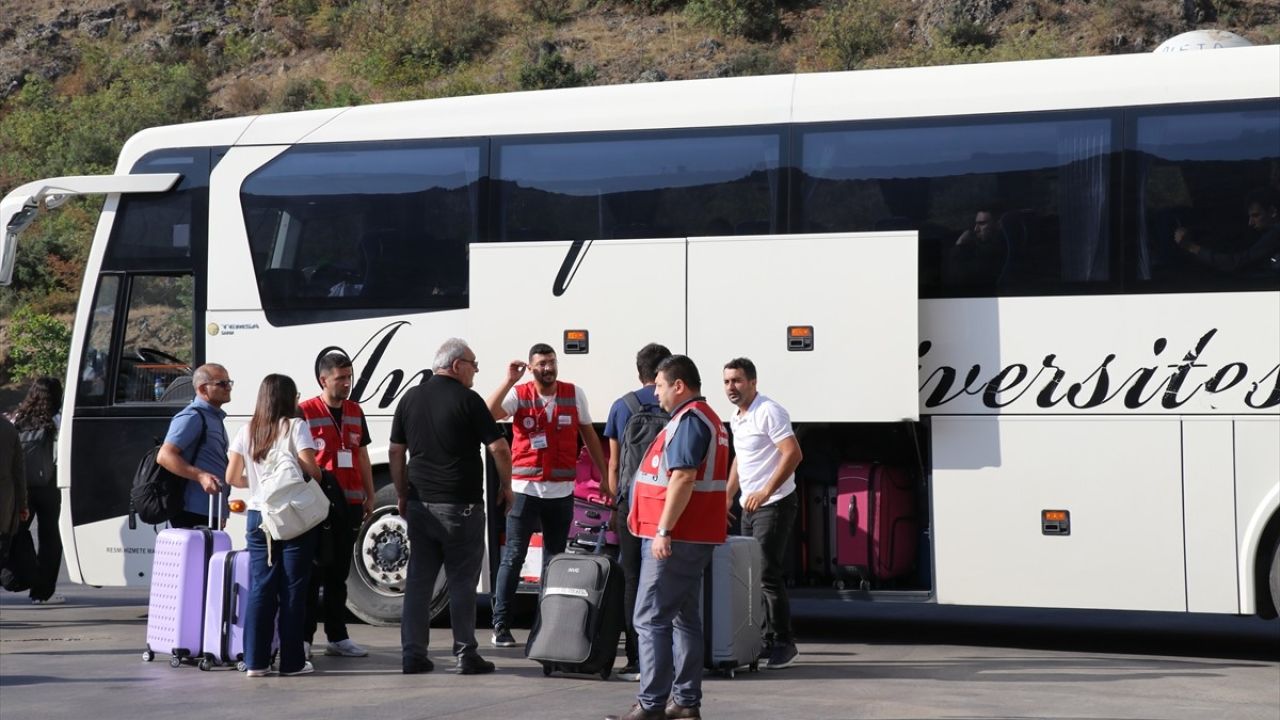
column 184, row 431
column 619, row 413
column 687, row 448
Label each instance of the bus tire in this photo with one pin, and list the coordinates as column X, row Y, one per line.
column 1274, row 576
column 380, row 564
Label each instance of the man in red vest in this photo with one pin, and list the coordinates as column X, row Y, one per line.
column 547, row 417
column 677, row 508
column 342, row 438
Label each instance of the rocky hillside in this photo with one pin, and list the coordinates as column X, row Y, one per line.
column 76, row 79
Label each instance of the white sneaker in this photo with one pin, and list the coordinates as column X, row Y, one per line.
column 345, row 648
column 54, row 599
column 306, row 650
column 257, row 673
column 307, row 669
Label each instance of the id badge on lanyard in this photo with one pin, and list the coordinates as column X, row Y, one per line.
column 538, row 439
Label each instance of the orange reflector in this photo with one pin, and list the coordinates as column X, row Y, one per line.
column 1055, row 515
column 236, row 506
column 799, row 331
column 575, row 334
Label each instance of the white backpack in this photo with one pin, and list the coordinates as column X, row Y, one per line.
column 291, row 505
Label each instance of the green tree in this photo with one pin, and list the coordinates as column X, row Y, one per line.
column 40, row 344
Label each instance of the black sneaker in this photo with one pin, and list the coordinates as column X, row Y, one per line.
column 473, row 665
column 783, row 656
column 414, row 666
column 502, row 637
column 766, row 649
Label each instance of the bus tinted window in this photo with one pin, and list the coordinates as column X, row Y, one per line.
column 638, row 187
column 1207, row 183
column 1002, row 207
column 156, row 349
column 155, row 231
column 366, row 227
column 92, row 385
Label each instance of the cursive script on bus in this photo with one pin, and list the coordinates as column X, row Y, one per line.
column 1169, row 386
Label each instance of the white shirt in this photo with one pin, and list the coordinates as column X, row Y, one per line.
column 240, row 445
column 756, row 434
column 549, row 489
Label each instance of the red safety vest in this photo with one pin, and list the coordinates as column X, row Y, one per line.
column 559, row 459
column 330, row 440
column 703, row 518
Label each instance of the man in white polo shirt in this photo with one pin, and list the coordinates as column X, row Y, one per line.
column 764, row 466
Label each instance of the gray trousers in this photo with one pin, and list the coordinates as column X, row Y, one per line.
column 448, row 535
column 668, row 624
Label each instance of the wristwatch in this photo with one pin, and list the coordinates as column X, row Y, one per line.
column 663, row 532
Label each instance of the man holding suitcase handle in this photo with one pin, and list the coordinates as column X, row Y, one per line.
column 676, row 509
column 202, row 418
column 766, row 455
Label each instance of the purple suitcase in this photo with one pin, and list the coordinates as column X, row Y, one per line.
column 224, row 603
column 179, row 574
column 591, row 515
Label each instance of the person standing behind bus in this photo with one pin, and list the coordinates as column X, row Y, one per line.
column 196, row 432
column 547, row 418
column 37, row 421
column 678, row 509
column 279, row 570
column 442, row 423
column 766, row 455
column 341, row 437
column 618, row 430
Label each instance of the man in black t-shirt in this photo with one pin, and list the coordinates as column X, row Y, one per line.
column 441, row 423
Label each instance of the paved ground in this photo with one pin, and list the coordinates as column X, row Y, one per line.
column 83, row 660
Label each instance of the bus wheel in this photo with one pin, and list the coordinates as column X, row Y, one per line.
column 380, row 564
column 1275, row 575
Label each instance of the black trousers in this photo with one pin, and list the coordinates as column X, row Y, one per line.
column 45, row 504
column 771, row 525
column 332, row 576
column 629, row 559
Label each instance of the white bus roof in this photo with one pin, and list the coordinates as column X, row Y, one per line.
column 1094, row 82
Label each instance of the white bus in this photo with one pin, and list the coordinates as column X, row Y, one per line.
column 1089, row 412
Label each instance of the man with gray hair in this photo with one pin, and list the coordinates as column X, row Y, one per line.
column 195, row 447
column 440, row 492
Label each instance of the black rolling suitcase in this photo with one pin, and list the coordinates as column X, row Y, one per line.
column 579, row 614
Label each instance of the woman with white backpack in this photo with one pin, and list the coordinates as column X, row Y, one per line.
column 275, row 458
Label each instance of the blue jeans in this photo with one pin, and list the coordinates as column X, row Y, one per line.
column 279, row 588
column 528, row 515
column 448, row 535
column 669, row 624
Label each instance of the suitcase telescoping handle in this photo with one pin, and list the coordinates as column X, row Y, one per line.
column 218, row 497
column 600, row 530
column 853, row 514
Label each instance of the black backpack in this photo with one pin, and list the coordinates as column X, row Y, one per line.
column 37, row 450
column 642, row 427
column 157, row 494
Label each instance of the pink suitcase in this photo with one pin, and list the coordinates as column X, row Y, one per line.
column 179, row 573
column 588, row 484
column 876, row 523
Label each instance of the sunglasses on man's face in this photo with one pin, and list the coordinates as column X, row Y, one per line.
column 228, row 384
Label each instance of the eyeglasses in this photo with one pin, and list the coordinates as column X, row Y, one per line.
column 228, row 384
column 472, row 363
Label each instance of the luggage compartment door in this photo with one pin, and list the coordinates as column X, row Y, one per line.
column 829, row 320
column 622, row 293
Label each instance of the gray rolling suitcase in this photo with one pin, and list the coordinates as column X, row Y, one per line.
column 733, row 607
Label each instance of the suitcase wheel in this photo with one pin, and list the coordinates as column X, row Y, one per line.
column 148, row 655
column 755, row 666
column 731, row 673
column 605, row 673
column 205, row 664
column 546, row 669
column 240, row 666
column 175, row 661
